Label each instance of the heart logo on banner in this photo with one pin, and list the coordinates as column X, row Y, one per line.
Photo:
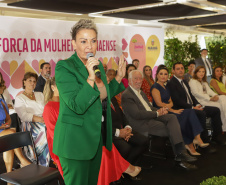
column 13, row 67
column 100, row 59
column 114, row 64
column 53, row 65
column 147, row 53
column 6, row 67
column 9, row 68
column 124, row 44
column 105, row 60
column 125, row 54
column 116, row 59
column 17, row 77
column 5, row 77
column 35, row 65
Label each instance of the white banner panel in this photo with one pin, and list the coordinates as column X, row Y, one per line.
column 26, row 43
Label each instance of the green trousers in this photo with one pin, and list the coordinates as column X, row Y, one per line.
column 82, row 172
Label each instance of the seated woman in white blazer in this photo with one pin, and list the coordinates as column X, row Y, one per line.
column 203, row 93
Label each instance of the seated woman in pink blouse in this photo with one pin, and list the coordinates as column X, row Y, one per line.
column 129, row 68
column 148, row 81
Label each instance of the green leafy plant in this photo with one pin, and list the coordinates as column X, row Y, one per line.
column 216, row 46
column 178, row 51
column 191, row 49
column 221, row 180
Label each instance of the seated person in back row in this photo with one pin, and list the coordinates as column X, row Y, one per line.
column 111, row 73
column 136, row 62
column 191, row 68
column 147, row 119
column 45, row 75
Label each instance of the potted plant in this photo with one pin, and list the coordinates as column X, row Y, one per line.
column 221, row 180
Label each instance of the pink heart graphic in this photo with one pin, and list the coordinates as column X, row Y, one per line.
column 6, row 67
column 5, row 77
column 116, row 59
column 35, row 65
column 53, row 65
column 125, row 54
column 101, row 59
column 124, row 44
column 154, row 70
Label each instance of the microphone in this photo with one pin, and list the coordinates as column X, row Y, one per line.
column 95, row 68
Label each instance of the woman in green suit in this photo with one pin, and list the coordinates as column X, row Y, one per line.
column 84, row 122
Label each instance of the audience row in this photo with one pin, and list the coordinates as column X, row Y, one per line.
column 176, row 108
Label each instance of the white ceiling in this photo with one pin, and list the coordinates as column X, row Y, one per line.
column 98, row 17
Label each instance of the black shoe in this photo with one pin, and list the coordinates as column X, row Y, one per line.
column 210, row 149
column 137, row 178
column 184, row 156
column 219, row 140
column 118, row 182
column 186, row 166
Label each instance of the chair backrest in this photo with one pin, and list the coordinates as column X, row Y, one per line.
column 19, row 123
column 15, row 140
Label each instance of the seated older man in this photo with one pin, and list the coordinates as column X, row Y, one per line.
column 146, row 119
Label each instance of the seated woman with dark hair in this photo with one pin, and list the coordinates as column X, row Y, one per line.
column 203, row 93
column 5, row 122
column 29, row 106
column 191, row 68
column 4, row 94
column 216, row 82
column 129, row 68
column 190, row 125
column 112, row 163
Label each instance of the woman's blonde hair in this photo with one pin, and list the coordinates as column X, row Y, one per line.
column 82, row 24
column 48, row 92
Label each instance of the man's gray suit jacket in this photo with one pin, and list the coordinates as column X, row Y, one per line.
column 147, row 122
column 134, row 110
column 199, row 62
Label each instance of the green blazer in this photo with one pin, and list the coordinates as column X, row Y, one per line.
column 78, row 128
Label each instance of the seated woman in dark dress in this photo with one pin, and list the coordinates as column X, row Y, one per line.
column 190, row 125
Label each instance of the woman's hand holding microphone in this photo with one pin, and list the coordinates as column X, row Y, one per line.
column 91, row 62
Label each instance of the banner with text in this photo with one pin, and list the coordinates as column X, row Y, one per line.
column 26, row 43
